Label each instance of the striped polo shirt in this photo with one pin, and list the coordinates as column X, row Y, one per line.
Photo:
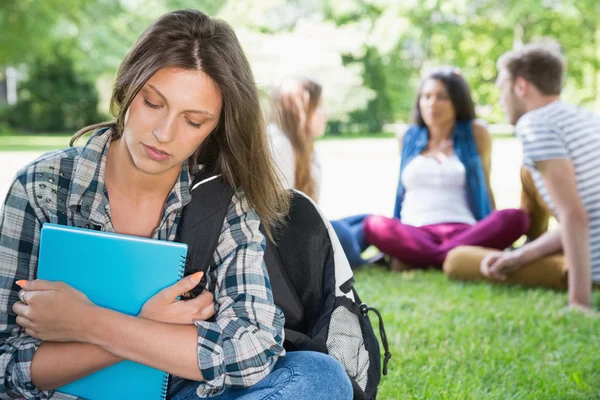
column 562, row 131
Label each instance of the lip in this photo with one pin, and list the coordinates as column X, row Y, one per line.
column 156, row 154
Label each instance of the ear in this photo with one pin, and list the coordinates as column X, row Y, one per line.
column 521, row 86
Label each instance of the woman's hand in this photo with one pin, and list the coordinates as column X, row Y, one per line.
column 165, row 307
column 53, row 311
column 497, row 265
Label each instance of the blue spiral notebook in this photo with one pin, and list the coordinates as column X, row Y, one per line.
column 118, row 272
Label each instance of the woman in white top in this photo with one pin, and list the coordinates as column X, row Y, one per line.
column 444, row 197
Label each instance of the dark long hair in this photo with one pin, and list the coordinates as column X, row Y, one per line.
column 296, row 101
column 458, row 90
column 238, row 146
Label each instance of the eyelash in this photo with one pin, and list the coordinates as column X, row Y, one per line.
column 154, row 106
column 193, row 124
column 148, row 104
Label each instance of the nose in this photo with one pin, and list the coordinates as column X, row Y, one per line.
column 432, row 102
column 165, row 131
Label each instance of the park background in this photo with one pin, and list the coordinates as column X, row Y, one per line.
column 58, row 59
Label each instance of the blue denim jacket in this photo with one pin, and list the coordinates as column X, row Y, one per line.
column 414, row 142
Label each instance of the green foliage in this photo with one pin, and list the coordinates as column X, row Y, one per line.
column 11, row 140
column 379, row 109
column 210, row 7
column 30, row 28
column 54, row 98
column 4, row 129
column 391, row 78
column 474, row 42
column 470, row 34
column 392, row 43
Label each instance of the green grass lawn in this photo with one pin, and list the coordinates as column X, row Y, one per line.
column 351, row 136
column 453, row 340
column 48, row 142
column 41, row 142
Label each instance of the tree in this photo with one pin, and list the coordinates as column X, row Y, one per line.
column 55, row 98
column 30, row 28
column 289, row 38
column 472, row 34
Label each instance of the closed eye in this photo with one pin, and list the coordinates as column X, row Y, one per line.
column 193, row 124
column 148, row 104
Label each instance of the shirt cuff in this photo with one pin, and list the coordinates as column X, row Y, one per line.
column 211, row 359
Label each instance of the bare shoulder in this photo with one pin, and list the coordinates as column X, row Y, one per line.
column 480, row 130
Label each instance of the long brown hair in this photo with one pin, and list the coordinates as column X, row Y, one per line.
column 296, row 101
column 238, row 147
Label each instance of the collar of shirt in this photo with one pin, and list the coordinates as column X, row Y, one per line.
column 88, row 191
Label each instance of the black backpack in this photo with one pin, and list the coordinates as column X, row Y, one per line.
column 311, row 280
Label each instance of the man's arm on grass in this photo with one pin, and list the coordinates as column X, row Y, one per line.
column 560, row 182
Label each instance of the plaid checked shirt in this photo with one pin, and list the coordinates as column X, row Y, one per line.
column 67, row 187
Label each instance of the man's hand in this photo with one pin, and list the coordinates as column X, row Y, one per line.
column 498, row 264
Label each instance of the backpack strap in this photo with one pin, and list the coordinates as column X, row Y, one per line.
column 201, row 225
column 202, row 222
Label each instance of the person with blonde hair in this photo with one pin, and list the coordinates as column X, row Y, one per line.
column 299, row 119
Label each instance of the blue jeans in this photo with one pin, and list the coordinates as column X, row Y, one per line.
column 349, row 231
column 297, row 375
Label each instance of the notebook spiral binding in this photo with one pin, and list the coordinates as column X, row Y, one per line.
column 164, row 390
column 182, row 260
column 166, row 382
